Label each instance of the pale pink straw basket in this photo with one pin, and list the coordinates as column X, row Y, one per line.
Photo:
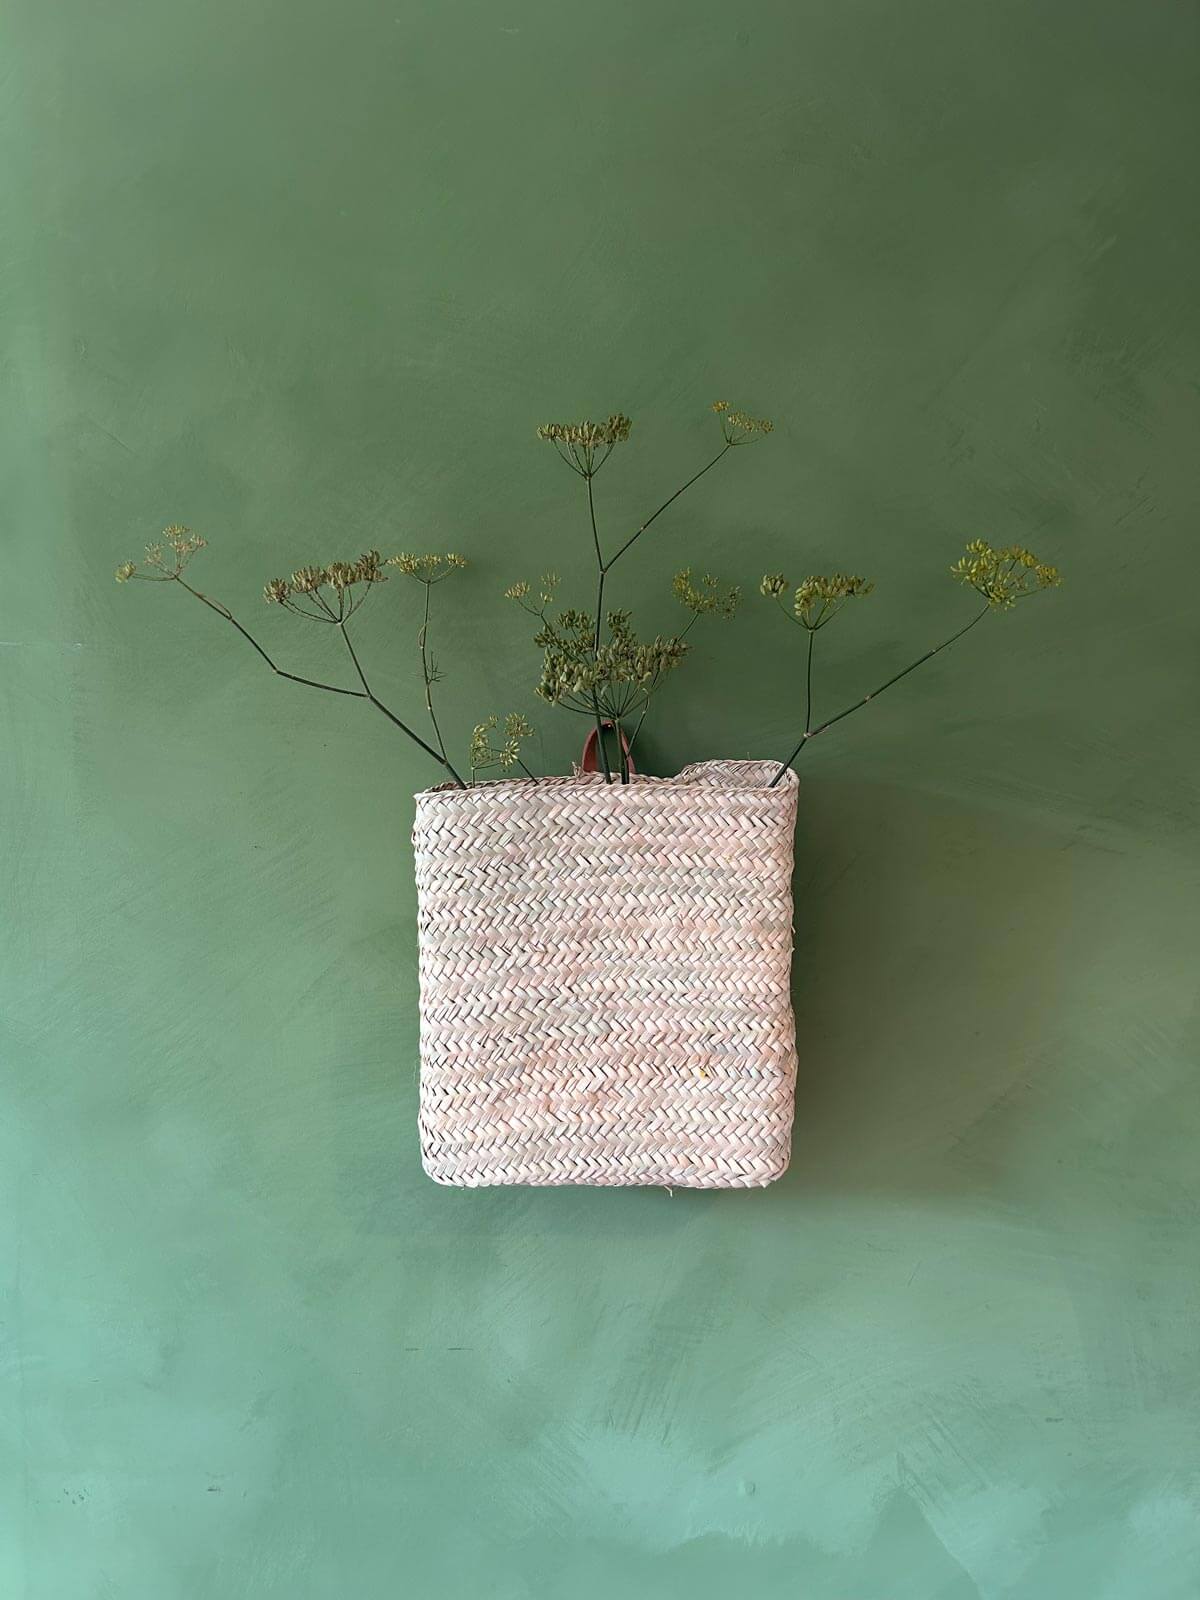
column 605, row 979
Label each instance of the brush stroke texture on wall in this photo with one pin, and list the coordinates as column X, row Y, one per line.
column 305, row 277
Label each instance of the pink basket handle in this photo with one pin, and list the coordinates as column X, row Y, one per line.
column 589, row 761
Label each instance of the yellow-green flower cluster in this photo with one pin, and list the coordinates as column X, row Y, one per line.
column 1004, row 576
column 707, row 598
column 427, row 569
column 484, row 753
column 167, row 555
column 819, row 599
column 737, row 427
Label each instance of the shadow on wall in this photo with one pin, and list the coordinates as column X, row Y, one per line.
column 930, row 942
column 933, row 942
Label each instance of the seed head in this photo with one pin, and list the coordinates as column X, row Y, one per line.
column 737, row 427
column 484, row 753
column 1004, row 576
column 706, row 598
column 167, row 555
column 818, row 600
column 588, row 435
column 427, row 569
column 307, row 580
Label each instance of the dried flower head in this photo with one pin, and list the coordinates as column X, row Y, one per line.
column 339, row 575
column 167, row 555
column 182, row 540
column 546, row 589
column 427, row 569
column 368, row 568
column 586, row 446
column 612, row 681
column 1004, row 576
column 737, row 427
column 485, row 753
column 307, row 580
column 707, row 598
column 325, row 594
column 818, row 600
column 588, row 435
column 480, row 752
column 774, row 584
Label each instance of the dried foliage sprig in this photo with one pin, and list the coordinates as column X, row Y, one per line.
column 585, row 447
column 322, row 594
column 593, row 661
column 1002, row 577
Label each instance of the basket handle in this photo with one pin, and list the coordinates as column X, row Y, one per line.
column 589, row 761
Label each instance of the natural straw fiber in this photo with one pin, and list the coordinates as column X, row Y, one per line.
column 604, row 979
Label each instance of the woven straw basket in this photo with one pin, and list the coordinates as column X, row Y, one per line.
column 605, row 979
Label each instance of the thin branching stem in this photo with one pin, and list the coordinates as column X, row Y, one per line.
column 812, row 639
column 634, row 537
column 427, row 675
column 600, row 573
column 391, row 715
column 638, row 728
column 622, row 752
column 224, row 611
column 867, row 698
column 365, row 693
column 601, row 747
column 601, row 569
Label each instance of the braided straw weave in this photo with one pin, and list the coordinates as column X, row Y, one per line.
column 605, row 979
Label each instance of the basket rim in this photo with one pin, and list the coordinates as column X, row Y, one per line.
column 786, row 788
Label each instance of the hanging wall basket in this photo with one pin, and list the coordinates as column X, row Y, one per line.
column 605, row 979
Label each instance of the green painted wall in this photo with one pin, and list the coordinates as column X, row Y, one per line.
column 305, row 276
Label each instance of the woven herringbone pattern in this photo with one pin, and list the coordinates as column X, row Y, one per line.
column 604, row 979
